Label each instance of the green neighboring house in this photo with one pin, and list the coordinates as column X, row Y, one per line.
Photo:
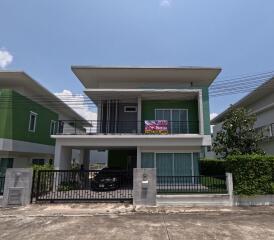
column 29, row 115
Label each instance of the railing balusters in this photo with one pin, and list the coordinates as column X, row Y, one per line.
column 79, row 185
column 93, row 127
column 191, row 184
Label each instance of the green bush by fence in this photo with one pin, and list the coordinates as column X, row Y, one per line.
column 209, row 167
column 36, row 168
column 252, row 174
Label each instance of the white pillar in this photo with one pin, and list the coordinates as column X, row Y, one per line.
column 86, row 159
column 99, row 118
column 229, row 186
column 62, row 158
column 138, row 157
column 139, row 115
column 201, row 112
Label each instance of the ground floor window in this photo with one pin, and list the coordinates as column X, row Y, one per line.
column 172, row 164
column 4, row 164
column 38, row 161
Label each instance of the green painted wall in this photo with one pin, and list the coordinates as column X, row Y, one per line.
column 148, row 110
column 6, row 130
column 14, row 119
column 118, row 158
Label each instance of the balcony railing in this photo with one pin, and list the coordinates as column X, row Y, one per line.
column 149, row 127
column 266, row 131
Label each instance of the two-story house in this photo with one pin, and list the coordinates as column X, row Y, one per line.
column 147, row 117
column 261, row 103
column 29, row 115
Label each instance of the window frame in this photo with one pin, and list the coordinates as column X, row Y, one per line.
column 171, row 113
column 54, row 127
column 35, row 121
column 38, row 159
column 172, row 152
column 128, row 106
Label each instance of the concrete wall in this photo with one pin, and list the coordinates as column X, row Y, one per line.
column 17, row 190
column 261, row 103
column 144, row 186
column 130, row 118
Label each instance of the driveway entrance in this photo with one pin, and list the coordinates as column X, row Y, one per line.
column 82, row 185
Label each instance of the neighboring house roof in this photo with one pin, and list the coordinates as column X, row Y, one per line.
column 263, row 90
column 198, row 75
column 19, row 79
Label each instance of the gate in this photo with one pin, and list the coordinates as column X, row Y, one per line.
column 82, row 185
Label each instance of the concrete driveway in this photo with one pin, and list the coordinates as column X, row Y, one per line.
column 115, row 221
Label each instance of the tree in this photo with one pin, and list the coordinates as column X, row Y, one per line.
column 237, row 136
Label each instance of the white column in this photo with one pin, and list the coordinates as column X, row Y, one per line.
column 139, row 115
column 99, row 113
column 86, row 159
column 229, row 186
column 138, row 157
column 201, row 112
column 62, row 158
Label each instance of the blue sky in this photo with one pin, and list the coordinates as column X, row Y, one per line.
column 46, row 37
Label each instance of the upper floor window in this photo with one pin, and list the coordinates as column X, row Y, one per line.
column 38, row 161
column 52, row 127
column 32, row 121
column 177, row 119
column 130, row 109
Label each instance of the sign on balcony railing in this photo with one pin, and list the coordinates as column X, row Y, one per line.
column 156, row 127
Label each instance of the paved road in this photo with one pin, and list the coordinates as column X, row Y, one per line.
column 73, row 223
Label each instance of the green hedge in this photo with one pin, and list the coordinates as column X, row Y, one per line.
column 212, row 167
column 252, row 174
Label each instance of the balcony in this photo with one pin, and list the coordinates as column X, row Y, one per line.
column 147, row 127
column 266, row 131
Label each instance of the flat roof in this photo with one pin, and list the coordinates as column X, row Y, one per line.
column 13, row 79
column 131, row 95
column 203, row 76
column 261, row 91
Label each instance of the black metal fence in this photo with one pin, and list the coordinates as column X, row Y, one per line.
column 191, row 184
column 92, row 127
column 78, row 185
column 2, row 184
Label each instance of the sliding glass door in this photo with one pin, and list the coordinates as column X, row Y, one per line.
column 177, row 118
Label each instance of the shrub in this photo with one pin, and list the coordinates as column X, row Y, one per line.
column 47, row 180
column 212, row 167
column 38, row 167
column 67, row 186
column 252, row 174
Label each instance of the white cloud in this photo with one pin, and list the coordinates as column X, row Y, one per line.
column 213, row 115
column 5, row 58
column 78, row 103
column 165, row 3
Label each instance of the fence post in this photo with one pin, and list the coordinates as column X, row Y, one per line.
column 229, row 186
column 144, row 186
column 33, row 186
column 37, row 185
column 18, row 185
